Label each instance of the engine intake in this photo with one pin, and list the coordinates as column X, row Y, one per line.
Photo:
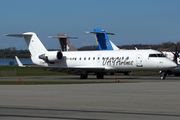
column 51, row 56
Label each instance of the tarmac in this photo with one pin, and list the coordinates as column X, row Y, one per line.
column 147, row 98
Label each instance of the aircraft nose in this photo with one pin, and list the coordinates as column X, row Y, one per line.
column 172, row 64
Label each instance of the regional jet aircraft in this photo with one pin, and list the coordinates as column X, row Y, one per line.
column 83, row 62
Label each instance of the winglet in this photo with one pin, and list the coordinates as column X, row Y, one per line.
column 19, row 62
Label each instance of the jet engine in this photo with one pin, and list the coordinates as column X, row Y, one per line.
column 51, row 56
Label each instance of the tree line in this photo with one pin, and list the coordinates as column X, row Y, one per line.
column 9, row 53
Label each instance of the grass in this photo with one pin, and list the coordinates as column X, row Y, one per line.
column 28, row 71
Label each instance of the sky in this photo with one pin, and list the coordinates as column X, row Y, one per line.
column 132, row 21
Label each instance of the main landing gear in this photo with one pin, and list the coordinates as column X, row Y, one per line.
column 100, row 75
column 163, row 75
column 84, row 75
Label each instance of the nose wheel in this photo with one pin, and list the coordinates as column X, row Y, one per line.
column 163, row 75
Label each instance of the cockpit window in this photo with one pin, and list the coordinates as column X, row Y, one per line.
column 156, row 55
column 161, row 55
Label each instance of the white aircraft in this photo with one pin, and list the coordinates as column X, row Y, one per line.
column 83, row 62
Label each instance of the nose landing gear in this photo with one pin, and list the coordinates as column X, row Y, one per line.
column 163, row 75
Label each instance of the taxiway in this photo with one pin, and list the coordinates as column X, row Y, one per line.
column 149, row 99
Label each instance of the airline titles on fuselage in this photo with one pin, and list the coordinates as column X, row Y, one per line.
column 115, row 61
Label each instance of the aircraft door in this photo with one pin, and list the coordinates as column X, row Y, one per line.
column 139, row 61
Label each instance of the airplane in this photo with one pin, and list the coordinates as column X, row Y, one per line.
column 84, row 62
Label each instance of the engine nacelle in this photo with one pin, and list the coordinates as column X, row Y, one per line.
column 51, row 56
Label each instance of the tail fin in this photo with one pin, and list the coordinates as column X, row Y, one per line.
column 103, row 41
column 65, row 43
column 34, row 44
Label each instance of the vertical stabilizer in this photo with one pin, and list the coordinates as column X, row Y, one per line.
column 65, row 43
column 103, row 41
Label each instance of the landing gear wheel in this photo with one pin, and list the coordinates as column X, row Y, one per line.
column 163, row 75
column 100, row 75
column 84, row 75
column 126, row 73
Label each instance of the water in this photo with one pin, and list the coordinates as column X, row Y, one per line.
column 7, row 61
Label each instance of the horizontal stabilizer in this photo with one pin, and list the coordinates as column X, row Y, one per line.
column 15, row 35
column 62, row 37
column 100, row 32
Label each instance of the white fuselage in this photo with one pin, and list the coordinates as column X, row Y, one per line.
column 120, row 60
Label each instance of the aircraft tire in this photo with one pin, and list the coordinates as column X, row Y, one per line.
column 163, row 75
column 100, row 76
column 126, row 73
column 83, row 76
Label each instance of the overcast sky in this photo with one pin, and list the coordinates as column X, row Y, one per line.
column 132, row 21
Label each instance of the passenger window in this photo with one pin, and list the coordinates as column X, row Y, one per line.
column 79, row 58
column 85, row 58
column 93, row 58
column 89, row 58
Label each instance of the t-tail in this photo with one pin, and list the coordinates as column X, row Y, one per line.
column 64, row 42
column 39, row 54
column 103, row 41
